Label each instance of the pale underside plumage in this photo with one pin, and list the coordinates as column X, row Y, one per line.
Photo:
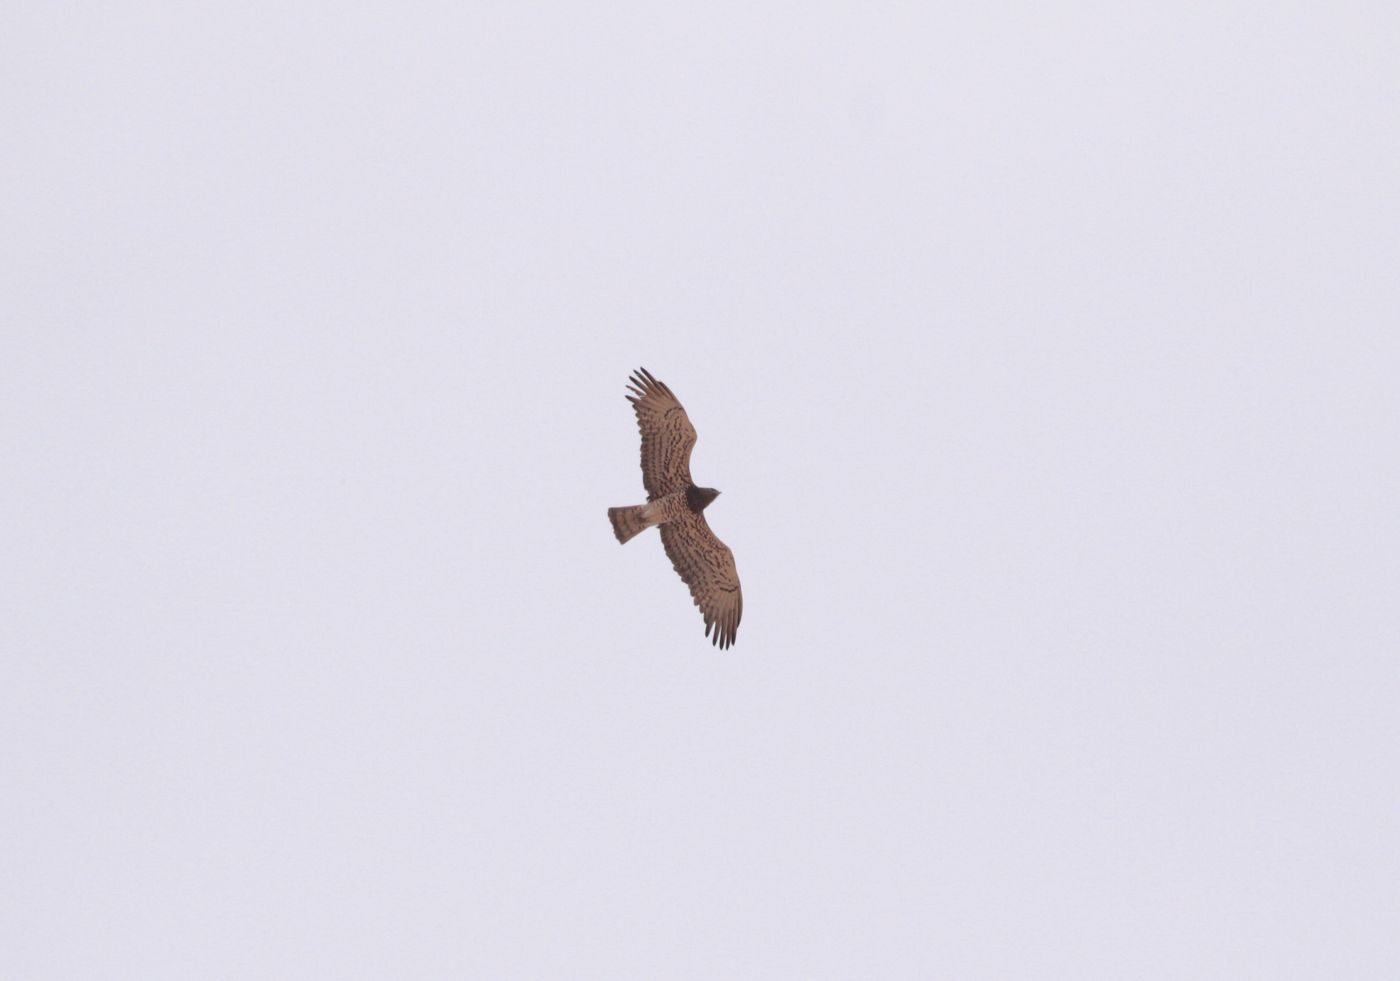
column 702, row 560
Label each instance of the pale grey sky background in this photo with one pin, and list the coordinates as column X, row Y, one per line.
column 1046, row 355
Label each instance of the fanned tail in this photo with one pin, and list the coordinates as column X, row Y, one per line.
column 627, row 522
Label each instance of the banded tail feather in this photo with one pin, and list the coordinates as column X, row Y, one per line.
column 628, row 522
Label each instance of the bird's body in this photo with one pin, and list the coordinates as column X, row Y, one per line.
column 676, row 506
column 631, row 521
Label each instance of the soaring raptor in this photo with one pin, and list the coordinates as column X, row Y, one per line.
column 677, row 505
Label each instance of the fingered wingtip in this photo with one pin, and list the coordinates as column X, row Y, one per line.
column 644, row 383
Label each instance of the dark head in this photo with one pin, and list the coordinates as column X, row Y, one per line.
column 699, row 498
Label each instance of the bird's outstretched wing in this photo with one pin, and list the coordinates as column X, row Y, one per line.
column 667, row 435
column 707, row 566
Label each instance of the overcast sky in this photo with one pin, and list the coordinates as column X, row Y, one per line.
column 1046, row 356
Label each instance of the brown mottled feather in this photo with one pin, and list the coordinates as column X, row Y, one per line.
column 667, row 436
column 707, row 566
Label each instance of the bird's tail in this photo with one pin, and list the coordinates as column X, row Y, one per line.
column 628, row 522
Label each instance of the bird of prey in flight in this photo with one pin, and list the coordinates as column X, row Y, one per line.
column 677, row 506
